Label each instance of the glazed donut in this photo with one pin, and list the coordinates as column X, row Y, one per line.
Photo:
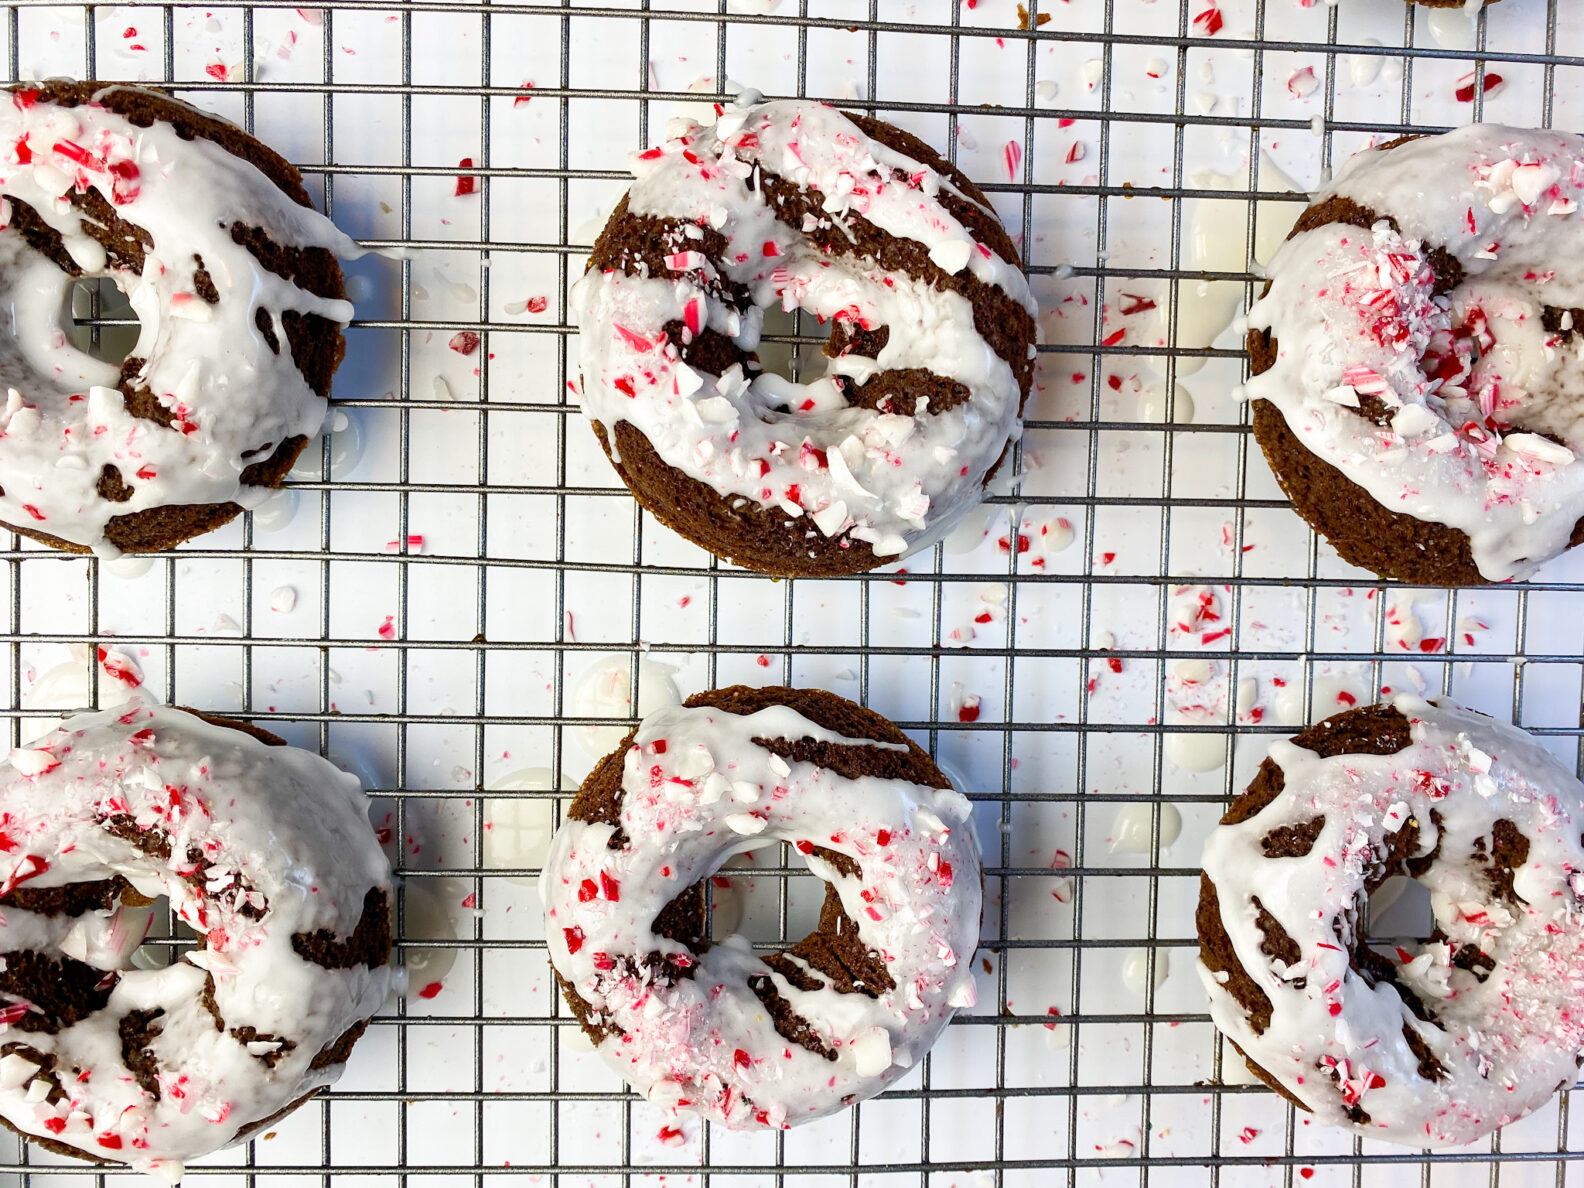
column 233, row 277
column 1416, row 361
column 1427, row 1044
column 711, row 1028
column 802, row 207
column 262, row 849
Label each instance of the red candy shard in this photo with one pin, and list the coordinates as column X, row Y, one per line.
column 574, row 938
column 1465, row 91
column 466, row 184
column 1210, row 21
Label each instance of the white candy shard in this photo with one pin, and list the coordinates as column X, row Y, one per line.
column 33, row 763
column 15, row 1070
column 872, row 1052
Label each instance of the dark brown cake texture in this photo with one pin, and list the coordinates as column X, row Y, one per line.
column 739, row 530
column 1367, row 730
column 1361, row 530
column 64, row 990
column 834, row 947
column 316, row 344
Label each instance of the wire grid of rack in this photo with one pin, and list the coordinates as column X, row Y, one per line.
column 477, row 555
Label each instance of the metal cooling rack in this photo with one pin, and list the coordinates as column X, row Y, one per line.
column 480, row 519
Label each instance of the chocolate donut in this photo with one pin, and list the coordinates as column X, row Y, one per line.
column 709, row 1027
column 797, row 205
column 1416, row 361
column 233, row 277
column 262, row 849
column 1427, row 1044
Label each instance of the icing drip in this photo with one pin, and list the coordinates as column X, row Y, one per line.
column 1507, row 1026
column 696, row 790
column 1473, row 392
column 895, row 481
column 231, row 398
column 265, row 843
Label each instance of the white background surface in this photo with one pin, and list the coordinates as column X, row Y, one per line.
column 442, row 666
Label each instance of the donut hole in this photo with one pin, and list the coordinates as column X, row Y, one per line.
column 778, row 901
column 105, row 930
column 765, row 900
column 793, row 345
column 743, row 905
column 100, row 320
column 1398, row 914
column 167, row 939
column 64, row 334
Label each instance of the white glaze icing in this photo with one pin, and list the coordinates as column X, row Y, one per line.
column 1157, row 407
column 897, row 482
column 696, row 790
column 1354, row 312
column 1133, row 828
column 605, row 691
column 517, row 829
column 426, row 916
column 1136, row 974
column 281, row 830
column 64, row 418
column 1335, row 1040
column 66, row 687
